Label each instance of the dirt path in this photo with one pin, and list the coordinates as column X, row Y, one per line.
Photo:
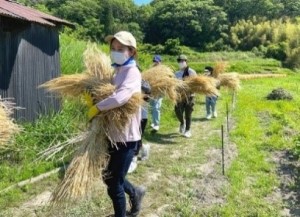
column 29, row 208
column 288, row 171
column 208, row 183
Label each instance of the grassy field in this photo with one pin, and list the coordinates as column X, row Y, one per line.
column 183, row 176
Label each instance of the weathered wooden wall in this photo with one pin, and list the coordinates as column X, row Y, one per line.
column 29, row 56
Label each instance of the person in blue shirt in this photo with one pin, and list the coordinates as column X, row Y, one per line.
column 156, row 103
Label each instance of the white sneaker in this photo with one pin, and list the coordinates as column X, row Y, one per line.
column 145, row 152
column 188, row 134
column 215, row 114
column 133, row 165
column 156, row 127
column 152, row 125
column 208, row 116
column 181, row 129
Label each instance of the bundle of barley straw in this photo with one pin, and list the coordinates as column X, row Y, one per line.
column 163, row 82
column 219, row 68
column 202, row 85
column 197, row 84
column 230, row 81
column 91, row 156
column 8, row 128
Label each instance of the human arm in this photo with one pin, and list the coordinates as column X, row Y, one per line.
column 127, row 83
column 192, row 72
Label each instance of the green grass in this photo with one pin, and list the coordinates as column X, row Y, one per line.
column 21, row 163
column 260, row 130
column 71, row 54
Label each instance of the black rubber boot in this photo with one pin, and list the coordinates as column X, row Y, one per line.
column 136, row 201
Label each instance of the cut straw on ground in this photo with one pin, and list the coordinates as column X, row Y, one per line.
column 254, row 76
column 8, row 127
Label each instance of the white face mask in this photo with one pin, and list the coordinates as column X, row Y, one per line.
column 119, row 57
column 182, row 65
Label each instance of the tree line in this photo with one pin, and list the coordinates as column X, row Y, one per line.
column 207, row 25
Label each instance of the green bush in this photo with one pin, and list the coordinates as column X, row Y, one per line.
column 277, row 51
column 152, row 49
column 293, row 59
column 172, row 47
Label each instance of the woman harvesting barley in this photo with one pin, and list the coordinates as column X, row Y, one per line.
column 127, row 80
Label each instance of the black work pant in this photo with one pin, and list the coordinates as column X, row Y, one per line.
column 115, row 173
column 183, row 110
column 140, row 142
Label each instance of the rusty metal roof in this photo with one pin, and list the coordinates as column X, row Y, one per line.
column 17, row 11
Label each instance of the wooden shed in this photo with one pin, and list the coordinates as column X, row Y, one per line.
column 29, row 56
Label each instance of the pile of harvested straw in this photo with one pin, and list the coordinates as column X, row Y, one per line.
column 91, row 156
column 230, row 81
column 8, row 128
column 254, row 76
column 163, row 82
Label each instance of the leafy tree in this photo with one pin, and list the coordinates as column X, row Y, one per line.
column 108, row 20
column 246, row 9
column 84, row 13
column 291, row 8
column 193, row 22
column 172, row 47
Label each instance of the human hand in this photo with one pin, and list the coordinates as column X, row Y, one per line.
column 88, row 99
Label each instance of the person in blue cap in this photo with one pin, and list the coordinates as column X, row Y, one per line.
column 156, row 103
column 211, row 101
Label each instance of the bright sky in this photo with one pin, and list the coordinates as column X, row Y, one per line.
column 140, row 2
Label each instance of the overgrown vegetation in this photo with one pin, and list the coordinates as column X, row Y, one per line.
column 22, row 162
column 275, row 39
column 271, row 29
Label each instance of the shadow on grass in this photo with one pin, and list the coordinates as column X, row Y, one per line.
column 161, row 138
column 203, row 119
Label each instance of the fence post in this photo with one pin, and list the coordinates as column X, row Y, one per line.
column 223, row 166
column 227, row 118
